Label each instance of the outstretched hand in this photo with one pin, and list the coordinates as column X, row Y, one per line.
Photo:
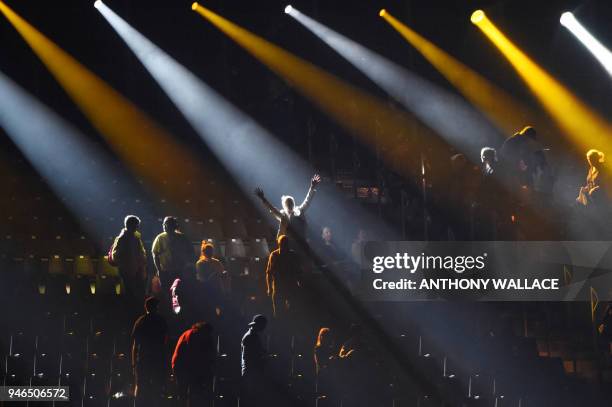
column 259, row 192
column 316, row 179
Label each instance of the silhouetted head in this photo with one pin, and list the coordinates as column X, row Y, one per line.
column 208, row 250
column 170, row 224
column 151, row 304
column 362, row 235
column 202, row 329
column 324, row 336
column 458, row 162
column 283, row 243
column 288, row 203
column 259, row 322
column 131, row 223
column 529, row 131
column 488, row 155
column 326, row 234
column 594, row 157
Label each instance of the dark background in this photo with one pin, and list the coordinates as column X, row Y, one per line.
column 78, row 28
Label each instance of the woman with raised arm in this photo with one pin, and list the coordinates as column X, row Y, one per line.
column 291, row 217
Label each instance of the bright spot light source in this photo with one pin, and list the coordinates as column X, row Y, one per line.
column 566, row 18
column 97, row 3
column 412, row 91
column 599, row 51
column 195, row 5
column 477, row 16
column 382, row 12
column 500, row 107
column 581, row 124
column 288, row 9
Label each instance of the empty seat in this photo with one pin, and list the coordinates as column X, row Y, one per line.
column 47, row 366
column 257, row 267
column 237, row 208
column 84, row 276
column 259, row 248
column 190, row 228
column 235, row 248
column 210, row 229
column 57, row 278
column 234, row 228
column 82, row 245
column 83, row 265
column 237, row 266
column 59, row 246
column 107, row 279
column 259, row 228
column 213, row 207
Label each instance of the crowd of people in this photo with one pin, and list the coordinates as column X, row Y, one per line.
column 511, row 196
column 198, row 292
column 199, row 288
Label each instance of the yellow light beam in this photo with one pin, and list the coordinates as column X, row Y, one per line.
column 359, row 112
column 501, row 108
column 584, row 127
column 130, row 133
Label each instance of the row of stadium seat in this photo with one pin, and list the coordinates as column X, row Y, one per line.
column 197, row 229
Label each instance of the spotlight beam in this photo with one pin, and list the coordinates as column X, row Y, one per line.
column 599, row 51
column 450, row 116
column 383, row 129
column 501, row 108
column 250, row 153
column 131, row 133
column 78, row 172
column 585, row 128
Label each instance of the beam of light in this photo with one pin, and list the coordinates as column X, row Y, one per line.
column 251, row 154
column 77, row 171
column 131, row 134
column 599, row 51
column 507, row 113
column 365, row 116
column 585, row 128
column 449, row 115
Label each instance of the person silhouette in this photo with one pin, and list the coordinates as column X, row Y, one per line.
column 253, row 361
column 291, row 217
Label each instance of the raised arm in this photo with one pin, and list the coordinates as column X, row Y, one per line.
column 316, row 179
column 273, row 210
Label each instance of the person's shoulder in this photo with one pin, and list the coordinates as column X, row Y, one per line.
column 248, row 336
column 139, row 321
column 184, row 338
column 122, row 234
column 159, row 237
